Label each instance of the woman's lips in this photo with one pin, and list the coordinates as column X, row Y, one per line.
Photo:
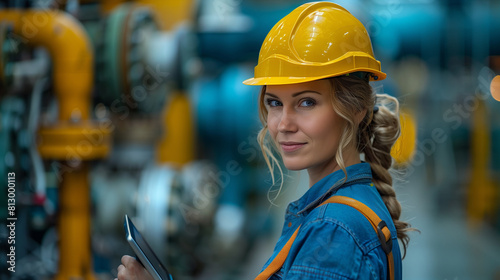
column 289, row 147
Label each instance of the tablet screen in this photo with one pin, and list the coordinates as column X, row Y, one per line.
column 144, row 252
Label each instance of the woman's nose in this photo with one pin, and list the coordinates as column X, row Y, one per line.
column 287, row 122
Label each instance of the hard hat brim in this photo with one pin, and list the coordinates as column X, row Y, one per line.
column 267, row 81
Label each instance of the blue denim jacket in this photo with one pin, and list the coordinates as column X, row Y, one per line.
column 336, row 241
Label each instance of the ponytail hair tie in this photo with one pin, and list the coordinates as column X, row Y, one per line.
column 375, row 109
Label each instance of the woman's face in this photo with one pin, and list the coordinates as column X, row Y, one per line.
column 304, row 126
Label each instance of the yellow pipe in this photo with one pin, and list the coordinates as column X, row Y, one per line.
column 481, row 191
column 178, row 143
column 74, row 225
column 108, row 6
column 72, row 56
column 71, row 52
column 170, row 13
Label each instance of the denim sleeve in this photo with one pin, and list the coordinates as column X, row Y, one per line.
column 330, row 250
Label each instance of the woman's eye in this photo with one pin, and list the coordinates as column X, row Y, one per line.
column 273, row 103
column 307, row 103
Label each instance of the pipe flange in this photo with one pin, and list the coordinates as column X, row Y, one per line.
column 74, row 142
column 123, row 72
column 142, row 81
column 108, row 63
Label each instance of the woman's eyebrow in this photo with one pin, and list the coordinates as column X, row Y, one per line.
column 271, row 94
column 295, row 94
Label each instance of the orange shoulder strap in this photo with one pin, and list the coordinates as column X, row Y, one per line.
column 378, row 225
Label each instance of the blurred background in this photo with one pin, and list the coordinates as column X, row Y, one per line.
column 120, row 107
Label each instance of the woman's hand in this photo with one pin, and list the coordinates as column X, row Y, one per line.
column 131, row 269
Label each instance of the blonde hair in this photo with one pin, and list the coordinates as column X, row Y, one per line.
column 374, row 136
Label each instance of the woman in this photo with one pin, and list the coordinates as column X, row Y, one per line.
column 320, row 114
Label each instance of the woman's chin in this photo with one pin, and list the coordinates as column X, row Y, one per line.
column 294, row 166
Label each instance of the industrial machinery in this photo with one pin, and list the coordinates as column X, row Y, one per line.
column 85, row 98
column 113, row 107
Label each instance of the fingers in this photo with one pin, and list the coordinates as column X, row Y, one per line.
column 131, row 269
column 128, row 260
column 122, row 272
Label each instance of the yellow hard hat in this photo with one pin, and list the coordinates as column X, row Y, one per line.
column 315, row 41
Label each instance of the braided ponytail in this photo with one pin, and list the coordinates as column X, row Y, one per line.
column 375, row 136
column 376, row 142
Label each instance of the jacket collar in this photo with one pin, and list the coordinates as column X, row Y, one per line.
column 330, row 184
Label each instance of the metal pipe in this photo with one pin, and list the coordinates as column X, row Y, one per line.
column 109, row 5
column 75, row 258
column 481, row 191
column 70, row 50
column 73, row 137
column 170, row 13
column 178, row 145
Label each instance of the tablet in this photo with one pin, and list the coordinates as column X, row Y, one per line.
column 145, row 254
